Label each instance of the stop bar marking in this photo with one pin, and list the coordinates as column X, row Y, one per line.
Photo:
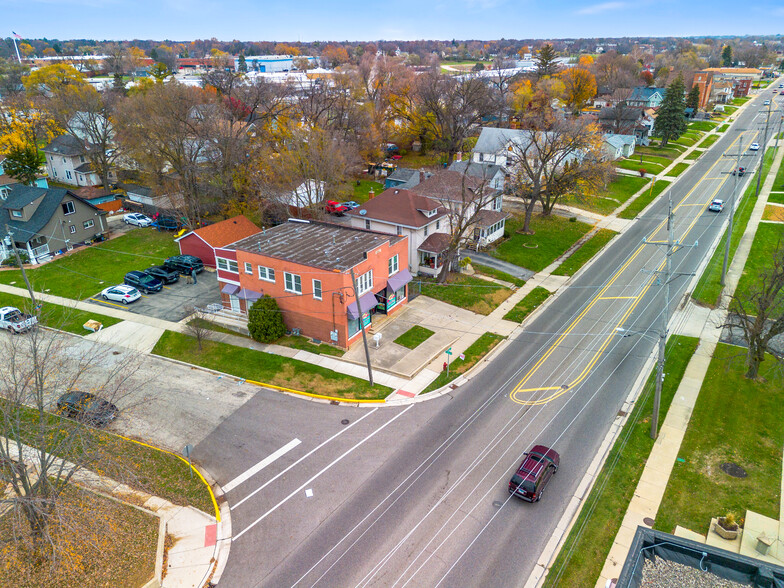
column 261, row 465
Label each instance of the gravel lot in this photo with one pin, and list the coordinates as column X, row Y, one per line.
column 667, row 574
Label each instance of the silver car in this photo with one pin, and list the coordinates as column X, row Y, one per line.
column 716, row 206
column 137, row 218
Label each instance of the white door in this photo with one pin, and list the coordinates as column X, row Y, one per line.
column 235, row 303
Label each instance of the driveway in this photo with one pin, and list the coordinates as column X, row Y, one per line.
column 504, row 266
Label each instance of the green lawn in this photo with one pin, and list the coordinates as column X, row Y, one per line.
column 618, row 191
column 693, row 155
column 670, row 151
column 778, row 183
column 734, row 420
column 689, row 139
column 586, row 251
column 263, row 367
column 702, row 125
column 528, row 304
column 723, row 128
column 709, row 287
column 777, row 197
column 741, row 100
column 730, row 109
column 582, row 557
column 649, row 165
column 476, row 351
column 764, row 246
column 553, row 235
column 678, row 169
column 414, row 337
column 644, row 199
column 498, row 274
column 59, row 317
column 474, row 294
column 84, row 273
column 708, row 141
column 362, row 189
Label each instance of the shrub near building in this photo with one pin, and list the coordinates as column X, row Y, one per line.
column 265, row 321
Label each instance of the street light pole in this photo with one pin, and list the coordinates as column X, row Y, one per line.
column 665, row 321
column 764, row 148
column 732, row 214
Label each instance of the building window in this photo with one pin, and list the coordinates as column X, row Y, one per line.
column 292, row 283
column 68, row 174
column 426, row 230
column 399, row 230
column 392, row 265
column 68, row 207
column 16, row 213
column 72, row 228
column 317, row 289
column 353, row 327
column 367, row 224
column 88, row 224
column 228, row 265
column 481, row 157
column 365, row 282
column 438, row 225
column 266, row 273
column 248, row 267
column 81, row 159
column 64, row 160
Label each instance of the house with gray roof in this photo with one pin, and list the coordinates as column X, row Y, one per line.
column 617, row 146
column 644, row 97
column 43, row 221
column 497, row 146
column 493, row 174
column 67, row 161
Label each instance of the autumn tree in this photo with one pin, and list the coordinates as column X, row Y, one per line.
column 671, row 122
column 614, row 71
column 23, row 127
column 334, row 55
column 11, row 75
column 160, row 71
column 546, row 64
column 50, row 79
column 579, row 87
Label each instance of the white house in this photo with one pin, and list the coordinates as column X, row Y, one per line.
column 493, row 174
column 617, row 146
column 67, row 162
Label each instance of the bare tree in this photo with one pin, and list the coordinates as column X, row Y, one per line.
column 760, row 312
column 196, row 327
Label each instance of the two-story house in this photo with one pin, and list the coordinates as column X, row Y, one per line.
column 494, row 175
column 498, row 147
column 644, row 97
column 67, row 161
column 307, row 267
column 46, row 220
column 424, row 221
column 627, row 120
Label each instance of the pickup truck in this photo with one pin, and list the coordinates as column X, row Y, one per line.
column 15, row 321
column 335, row 208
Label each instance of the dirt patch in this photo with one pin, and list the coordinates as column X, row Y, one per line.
column 773, row 213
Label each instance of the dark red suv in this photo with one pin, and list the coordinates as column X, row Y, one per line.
column 539, row 465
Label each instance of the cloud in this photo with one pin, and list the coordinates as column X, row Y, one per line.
column 603, row 7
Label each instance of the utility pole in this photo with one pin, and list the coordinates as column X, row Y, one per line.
column 736, row 173
column 362, row 327
column 21, row 267
column 764, row 148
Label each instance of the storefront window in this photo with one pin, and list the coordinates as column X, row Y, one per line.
column 353, row 327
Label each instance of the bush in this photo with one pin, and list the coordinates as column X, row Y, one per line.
column 265, row 321
column 642, row 171
column 10, row 261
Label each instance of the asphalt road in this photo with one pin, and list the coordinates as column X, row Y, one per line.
column 417, row 495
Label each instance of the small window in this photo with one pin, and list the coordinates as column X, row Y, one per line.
column 68, row 174
column 72, row 228
column 367, row 224
column 292, row 283
column 365, row 282
column 392, row 265
column 228, row 265
column 426, row 230
column 16, row 213
column 81, row 159
column 68, row 207
column 399, row 230
column 438, row 224
column 266, row 273
column 88, row 224
column 317, row 289
column 248, row 267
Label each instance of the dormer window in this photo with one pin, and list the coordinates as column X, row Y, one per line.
column 16, row 213
column 429, row 213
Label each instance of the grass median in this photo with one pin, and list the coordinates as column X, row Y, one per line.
column 498, row 274
column 644, row 199
column 258, row 366
column 527, row 305
column 678, row 169
column 414, row 337
column 476, row 351
column 616, row 193
column 587, row 250
column 582, row 556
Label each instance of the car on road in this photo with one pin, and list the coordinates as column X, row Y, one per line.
column 138, row 219
column 716, row 206
column 184, row 264
column 740, row 171
column 766, row 102
column 531, row 478
column 336, row 208
column 351, row 205
column 87, row 408
column 143, row 282
column 163, row 273
column 754, row 147
column 121, row 293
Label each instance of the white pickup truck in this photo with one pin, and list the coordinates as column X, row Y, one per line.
column 15, row 321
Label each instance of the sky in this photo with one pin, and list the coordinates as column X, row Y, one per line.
column 372, row 20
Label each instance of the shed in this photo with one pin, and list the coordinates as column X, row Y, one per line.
column 204, row 241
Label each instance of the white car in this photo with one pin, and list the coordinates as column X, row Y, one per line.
column 766, row 102
column 716, row 206
column 138, row 219
column 121, row 293
column 754, row 147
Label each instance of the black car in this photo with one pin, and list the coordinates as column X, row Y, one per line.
column 740, row 171
column 166, row 223
column 143, row 282
column 184, row 264
column 87, row 408
column 163, row 273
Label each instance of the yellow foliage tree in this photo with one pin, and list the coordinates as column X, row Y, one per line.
column 26, row 49
column 284, row 49
column 521, row 95
column 585, row 61
column 23, row 128
column 51, row 78
column 579, row 86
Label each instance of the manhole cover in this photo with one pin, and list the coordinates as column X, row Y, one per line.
column 345, row 422
column 648, row 521
column 733, row 470
column 497, row 503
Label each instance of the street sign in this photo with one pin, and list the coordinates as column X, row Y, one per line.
column 462, row 356
column 187, row 451
column 448, row 351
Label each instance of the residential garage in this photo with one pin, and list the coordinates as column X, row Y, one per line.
column 203, row 242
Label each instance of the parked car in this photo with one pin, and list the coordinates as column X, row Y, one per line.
column 184, row 264
column 351, row 205
column 143, row 282
column 137, row 218
column 87, row 408
column 166, row 223
column 740, row 171
column 163, row 273
column 15, row 321
column 531, row 478
column 716, row 206
column 121, row 293
column 754, row 147
column 335, row 208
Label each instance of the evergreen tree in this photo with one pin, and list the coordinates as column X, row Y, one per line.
column 23, row 164
column 118, row 84
column 243, row 66
column 671, row 123
column 693, row 98
column 545, row 62
column 726, row 56
column 265, row 321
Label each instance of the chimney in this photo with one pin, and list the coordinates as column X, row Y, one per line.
column 371, row 194
column 421, row 175
column 459, row 156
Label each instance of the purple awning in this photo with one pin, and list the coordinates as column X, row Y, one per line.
column 399, row 280
column 366, row 302
column 246, row 294
column 230, row 289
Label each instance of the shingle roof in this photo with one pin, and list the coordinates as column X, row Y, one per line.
column 403, row 174
column 626, row 113
column 399, row 207
column 315, row 244
column 487, row 218
column 136, row 189
column 492, row 140
column 644, row 93
column 435, row 243
column 476, row 169
column 448, row 185
column 66, row 145
column 227, row 231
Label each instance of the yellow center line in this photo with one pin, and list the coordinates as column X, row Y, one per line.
column 519, row 388
column 619, row 298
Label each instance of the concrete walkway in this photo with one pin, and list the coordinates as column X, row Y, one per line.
column 499, row 264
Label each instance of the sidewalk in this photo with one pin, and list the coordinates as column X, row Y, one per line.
column 653, row 482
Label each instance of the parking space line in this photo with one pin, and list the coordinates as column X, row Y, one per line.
column 110, row 303
column 261, row 465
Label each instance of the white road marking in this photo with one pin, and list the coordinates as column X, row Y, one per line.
column 308, row 482
column 311, row 452
column 261, row 465
column 309, row 492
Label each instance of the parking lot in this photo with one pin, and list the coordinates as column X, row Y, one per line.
column 174, row 301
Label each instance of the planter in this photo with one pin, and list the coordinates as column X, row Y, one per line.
column 731, row 533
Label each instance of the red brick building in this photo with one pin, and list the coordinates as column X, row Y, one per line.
column 306, row 266
column 204, row 242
